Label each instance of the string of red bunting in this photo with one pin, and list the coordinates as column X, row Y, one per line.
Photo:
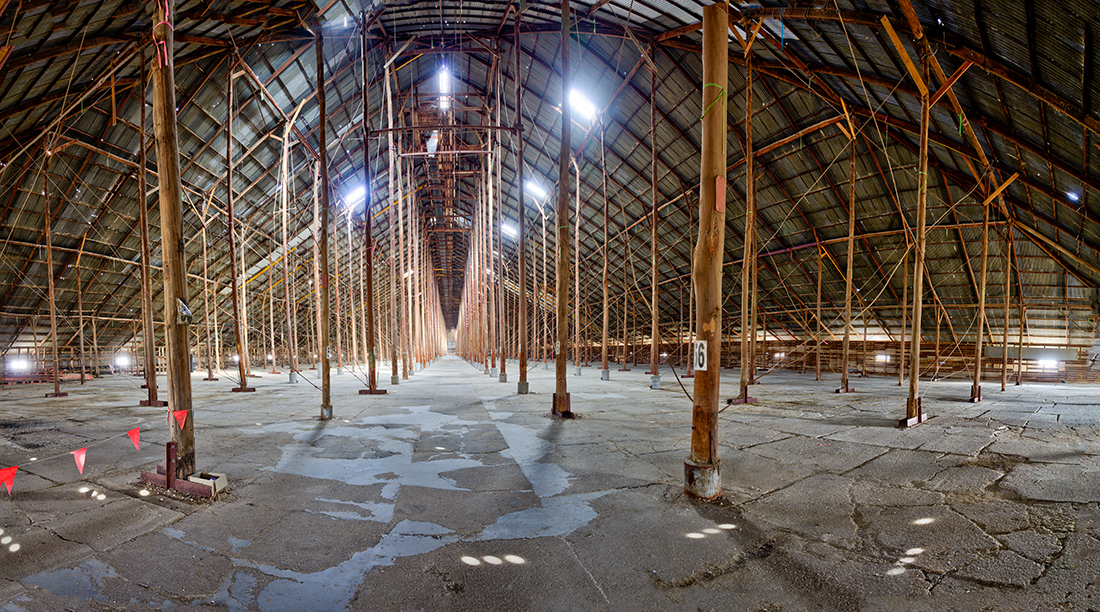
column 7, row 475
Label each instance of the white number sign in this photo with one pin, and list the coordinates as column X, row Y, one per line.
column 701, row 355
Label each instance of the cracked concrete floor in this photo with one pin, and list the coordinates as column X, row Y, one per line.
column 453, row 493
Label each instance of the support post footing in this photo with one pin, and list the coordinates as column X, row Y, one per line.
column 703, row 480
column 243, row 389
column 152, row 403
column 562, row 414
column 605, row 374
column 523, row 387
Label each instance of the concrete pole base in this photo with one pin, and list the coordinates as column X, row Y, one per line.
column 523, row 387
column 492, row 372
column 655, row 383
column 546, row 366
column 577, row 372
column 326, row 413
column 702, row 480
column 503, row 377
column 293, row 378
column 605, row 374
column 339, row 370
column 394, row 380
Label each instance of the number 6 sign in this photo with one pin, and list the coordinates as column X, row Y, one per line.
column 700, row 355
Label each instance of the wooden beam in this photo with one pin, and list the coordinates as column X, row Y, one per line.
column 913, row 72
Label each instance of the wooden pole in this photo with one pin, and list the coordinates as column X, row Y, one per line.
column 976, row 388
column 904, row 315
column 913, row 412
column 577, row 271
column 654, row 332
column 392, row 181
column 820, row 323
column 80, row 313
column 291, row 327
column 326, row 380
column 238, row 325
column 523, row 386
column 844, row 387
column 206, row 304
column 1007, row 300
column 49, row 277
column 561, row 406
column 172, row 242
column 748, row 289
column 605, row 371
column 702, row 475
column 368, row 244
column 148, row 334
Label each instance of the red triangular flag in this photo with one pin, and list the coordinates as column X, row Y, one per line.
column 79, row 456
column 135, row 435
column 7, row 476
column 181, row 417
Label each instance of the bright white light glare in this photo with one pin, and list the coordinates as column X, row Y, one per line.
column 444, row 89
column 914, row 551
column 907, row 559
column 509, row 230
column 515, row 559
column 270, row 357
column 145, row 493
column 883, row 358
column 122, row 360
column 695, row 536
column 84, row 489
column 1048, row 364
column 711, row 530
column 491, row 560
column 582, row 104
column 19, row 366
column 101, row 497
column 356, row 196
column 14, row 548
column 236, row 359
column 897, row 571
column 1073, row 197
column 924, row 521
column 440, row 448
column 471, row 560
column 5, row 540
column 535, row 189
column 727, row 526
column 780, row 355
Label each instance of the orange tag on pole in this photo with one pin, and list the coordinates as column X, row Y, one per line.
column 181, row 417
column 720, row 193
column 135, row 436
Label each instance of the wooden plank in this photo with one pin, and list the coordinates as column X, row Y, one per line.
column 913, row 72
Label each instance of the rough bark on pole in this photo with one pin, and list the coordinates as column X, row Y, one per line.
column 49, row 277
column 976, row 387
column 206, row 304
column 523, row 386
column 291, row 328
column 326, row 382
column 172, row 242
column 844, row 388
column 392, row 182
column 242, row 356
column 913, row 412
column 702, row 476
column 79, row 310
column 748, row 288
column 146, row 290
column 561, row 406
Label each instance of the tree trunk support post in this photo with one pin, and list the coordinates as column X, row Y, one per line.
column 702, row 468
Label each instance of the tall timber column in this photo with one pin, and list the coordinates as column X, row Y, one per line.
column 976, row 388
column 368, row 244
column 748, row 285
column 702, row 475
column 242, row 353
column 326, row 382
column 146, row 291
column 844, row 388
column 561, row 220
column 605, row 371
column 523, row 386
column 172, row 243
column 57, row 392
column 654, row 329
column 913, row 413
column 391, row 181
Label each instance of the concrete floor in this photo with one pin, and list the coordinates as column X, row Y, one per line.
column 453, row 493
